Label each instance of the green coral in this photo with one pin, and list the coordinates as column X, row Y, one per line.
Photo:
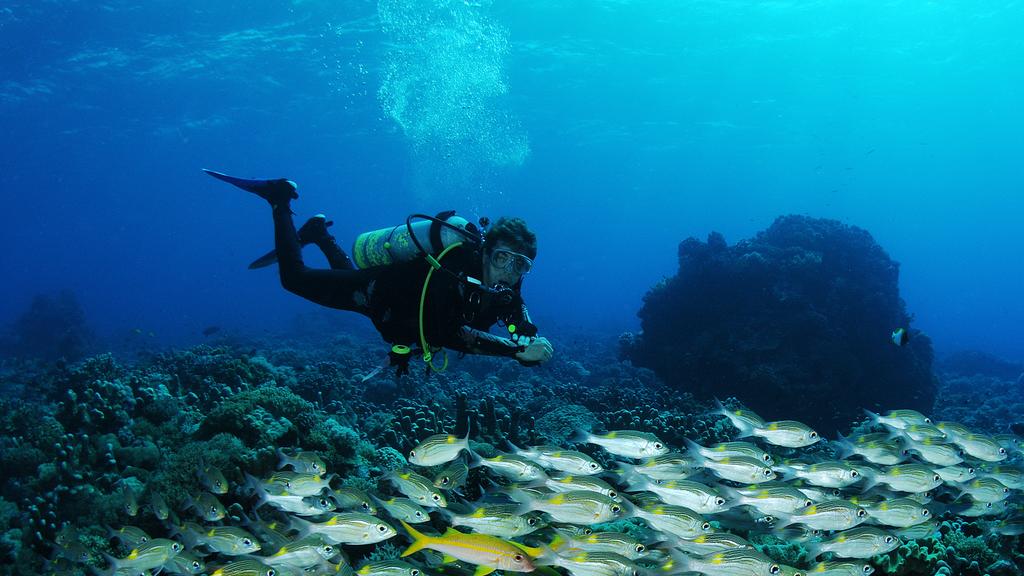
column 914, row 557
column 385, row 551
column 387, row 459
column 176, row 478
column 558, row 425
column 261, row 416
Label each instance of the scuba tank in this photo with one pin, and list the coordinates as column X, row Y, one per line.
column 428, row 236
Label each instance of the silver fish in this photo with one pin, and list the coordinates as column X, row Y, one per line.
column 832, row 515
column 627, row 443
column 576, row 507
column 787, row 433
column 502, row 520
column 438, row 449
column 731, row 562
column 347, row 528
column 899, row 513
column 419, row 489
column 568, row 461
column 859, row 542
column 982, row 447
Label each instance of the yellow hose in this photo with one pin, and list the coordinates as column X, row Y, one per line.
column 435, row 263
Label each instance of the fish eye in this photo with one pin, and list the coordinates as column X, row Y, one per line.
column 271, row 572
column 970, row 470
column 927, row 420
column 328, row 549
column 246, row 542
column 213, row 509
column 613, row 494
column 640, row 548
column 658, row 446
column 412, row 453
column 593, row 465
column 1006, row 490
column 767, row 458
column 445, row 480
column 861, row 513
column 936, row 478
column 705, row 526
column 719, row 501
column 1002, row 450
column 888, row 539
column 868, row 569
column 418, row 515
column 808, row 503
column 836, row 492
column 587, row 531
column 176, row 547
column 854, row 473
column 518, row 557
column 531, row 521
column 767, row 472
column 925, row 512
column 323, row 503
column 414, row 572
column 383, row 528
column 366, row 506
column 196, row 565
column 616, row 508
column 814, row 434
column 436, row 497
column 774, row 569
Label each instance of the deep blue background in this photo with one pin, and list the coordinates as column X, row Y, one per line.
column 646, row 122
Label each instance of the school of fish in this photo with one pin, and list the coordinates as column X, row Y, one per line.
column 543, row 506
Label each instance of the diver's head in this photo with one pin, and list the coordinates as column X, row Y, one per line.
column 509, row 250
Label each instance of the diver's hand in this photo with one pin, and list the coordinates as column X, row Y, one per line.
column 538, row 351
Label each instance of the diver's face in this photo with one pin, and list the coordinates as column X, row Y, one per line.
column 503, row 266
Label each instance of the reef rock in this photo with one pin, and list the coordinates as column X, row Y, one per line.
column 795, row 322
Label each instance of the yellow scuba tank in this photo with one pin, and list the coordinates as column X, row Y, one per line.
column 403, row 243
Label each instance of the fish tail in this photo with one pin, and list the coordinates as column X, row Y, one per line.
column 875, row 418
column 813, row 549
column 304, row 527
column 558, row 541
column 581, row 437
column 693, row 449
column 680, row 562
column 419, row 540
column 473, row 459
column 282, row 458
column 843, row 446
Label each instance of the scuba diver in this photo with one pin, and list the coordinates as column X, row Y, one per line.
column 446, row 295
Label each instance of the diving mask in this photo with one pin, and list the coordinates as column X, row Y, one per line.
column 510, row 261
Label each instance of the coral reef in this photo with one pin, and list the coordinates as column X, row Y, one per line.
column 976, row 363
column 54, row 327
column 91, row 443
column 796, row 321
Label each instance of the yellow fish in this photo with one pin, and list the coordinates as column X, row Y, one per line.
column 487, row 552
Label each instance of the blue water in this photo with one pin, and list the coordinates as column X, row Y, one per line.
column 616, row 128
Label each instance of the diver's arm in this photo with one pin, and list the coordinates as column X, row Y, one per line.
column 473, row 341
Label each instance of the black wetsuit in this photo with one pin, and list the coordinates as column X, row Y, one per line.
column 456, row 315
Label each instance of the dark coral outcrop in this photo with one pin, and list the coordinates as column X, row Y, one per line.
column 795, row 322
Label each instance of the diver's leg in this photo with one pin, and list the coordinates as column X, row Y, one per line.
column 344, row 289
column 314, row 231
